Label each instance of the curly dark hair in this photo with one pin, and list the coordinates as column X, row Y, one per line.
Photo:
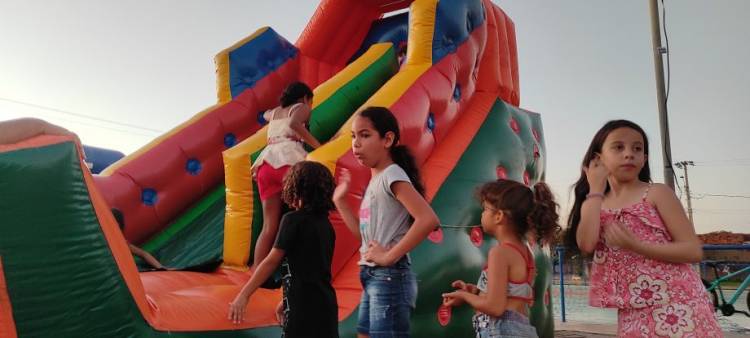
column 530, row 210
column 309, row 184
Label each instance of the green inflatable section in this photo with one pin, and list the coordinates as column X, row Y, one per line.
column 197, row 237
column 61, row 276
column 58, row 266
column 456, row 257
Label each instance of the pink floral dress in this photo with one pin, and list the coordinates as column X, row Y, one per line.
column 653, row 298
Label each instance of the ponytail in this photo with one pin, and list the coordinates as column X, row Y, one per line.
column 401, row 155
column 384, row 121
column 529, row 210
column 543, row 216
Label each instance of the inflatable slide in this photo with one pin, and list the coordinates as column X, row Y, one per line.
column 447, row 69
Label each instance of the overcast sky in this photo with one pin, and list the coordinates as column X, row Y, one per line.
column 121, row 73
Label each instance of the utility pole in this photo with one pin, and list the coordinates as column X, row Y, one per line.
column 660, row 94
column 684, row 166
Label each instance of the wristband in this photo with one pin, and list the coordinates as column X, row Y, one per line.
column 594, row 194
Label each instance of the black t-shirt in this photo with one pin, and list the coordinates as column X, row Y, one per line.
column 307, row 239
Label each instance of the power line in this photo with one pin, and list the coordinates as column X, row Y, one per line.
column 65, row 112
column 723, row 211
column 724, row 160
column 721, row 195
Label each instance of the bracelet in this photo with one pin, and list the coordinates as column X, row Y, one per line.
column 594, row 194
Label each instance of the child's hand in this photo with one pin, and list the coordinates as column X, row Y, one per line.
column 454, row 298
column 343, row 185
column 452, row 301
column 378, row 254
column 280, row 312
column 237, row 309
column 617, row 236
column 596, row 175
column 461, row 285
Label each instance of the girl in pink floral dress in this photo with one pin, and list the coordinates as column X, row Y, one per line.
column 641, row 240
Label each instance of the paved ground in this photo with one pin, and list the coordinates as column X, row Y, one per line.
column 588, row 330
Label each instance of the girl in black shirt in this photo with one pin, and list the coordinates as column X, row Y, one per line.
column 304, row 247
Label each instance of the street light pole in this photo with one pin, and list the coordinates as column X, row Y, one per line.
column 661, row 94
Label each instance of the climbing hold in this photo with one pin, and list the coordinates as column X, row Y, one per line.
column 436, row 236
column 501, row 172
column 514, row 125
column 149, row 197
column 230, row 140
column 444, row 314
column 476, row 236
column 431, row 121
column 262, row 119
column 193, row 166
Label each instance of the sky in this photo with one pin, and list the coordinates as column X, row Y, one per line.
column 120, row 73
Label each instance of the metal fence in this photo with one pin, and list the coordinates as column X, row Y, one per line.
column 574, row 273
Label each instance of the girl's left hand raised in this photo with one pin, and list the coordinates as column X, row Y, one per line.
column 378, row 254
column 617, row 236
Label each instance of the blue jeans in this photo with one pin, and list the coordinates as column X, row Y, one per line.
column 388, row 298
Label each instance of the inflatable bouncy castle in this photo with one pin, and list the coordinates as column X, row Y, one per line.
column 448, row 70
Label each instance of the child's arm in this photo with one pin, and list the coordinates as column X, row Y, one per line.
column 685, row 246
column 495, row 301
column 425, row 222
column 17, row 130
column 299, row 117
column 462, row 286
column 23, row 128
column 264, row 270
column 151, row 260
column 339, row 199
column 587, row 234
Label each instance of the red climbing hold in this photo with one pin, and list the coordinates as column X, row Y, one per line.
column 514, row 125
column 526, row 178
column 476, row 236
column 536, row 151
column 536, row 134
column 436, row 235
column 444, row 315
column 501, row 172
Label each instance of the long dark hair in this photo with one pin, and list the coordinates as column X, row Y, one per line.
column 529, row 210
column 293, row 93
column 310, row 183
column 581, row 187
column 384, row 121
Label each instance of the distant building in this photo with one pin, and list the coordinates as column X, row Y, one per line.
column 724, row 237
column 737, row 258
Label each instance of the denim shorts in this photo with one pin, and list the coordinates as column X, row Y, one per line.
column 389, row 297
column 510, row 324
